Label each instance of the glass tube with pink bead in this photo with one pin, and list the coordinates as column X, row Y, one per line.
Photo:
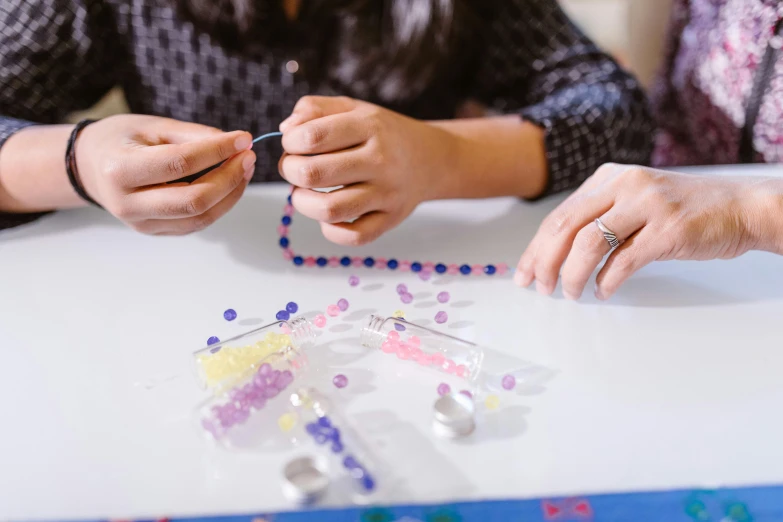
column 423, row 346
column 220, row 365
column 246, row 415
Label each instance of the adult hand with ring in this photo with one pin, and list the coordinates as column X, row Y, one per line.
column 638, row 215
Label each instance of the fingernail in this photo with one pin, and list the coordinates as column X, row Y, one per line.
column 243, row 142
column 568, row 295
column 599, row 294
column 541, row 288
column 519, row 278
column 249, row 172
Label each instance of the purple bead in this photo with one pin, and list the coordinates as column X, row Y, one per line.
column 241, row 415
column 425, row 275
column 444, row 389
column 265, row 369
column 399, row 327
column 340, row 380
column 402, row 289
column 292, row 307
column 324, row 422
column 337, row 447
column 285, row 378
column 353, row 281
column 508, row 382
column 441, row 317
column 466, row 393
column 342, row 304
column 283, row 315
column 320, row 439
column 350, row 462
column 270, row 392
column 258, row 402
column 259, row 381
column 272, row 377
column 443, row 297
column 311, row 428
column 212, row 340
column 230, row 314
column 406, row 298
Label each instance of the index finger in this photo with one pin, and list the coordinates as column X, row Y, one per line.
column 164, row 163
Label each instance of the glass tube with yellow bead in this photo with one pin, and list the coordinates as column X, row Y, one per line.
column 219, row 366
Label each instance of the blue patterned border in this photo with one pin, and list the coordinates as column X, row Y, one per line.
column 752, row 504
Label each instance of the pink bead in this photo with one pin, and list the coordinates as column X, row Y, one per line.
column 393, row 335
column 403, row 352
column 461, row 370
column 424, row 360
column 288, row 210
column 449, row 366
column 309, row 261
column 333, row 261
column 332, row 310
column 380, row 263
column 288, row 254
column 429, row 266
column 319, row 320
column 389, row 347
column 405, row 266
column 477, row 270
column 502, row 268
column 285, row 329
column 414, row 341
column 452, row 269
column 415, row 352
column 438, row 359
column 282, row 230
column 357, row 261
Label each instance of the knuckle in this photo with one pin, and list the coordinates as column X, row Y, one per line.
column 313, row 135
column 177, row 165
column 589, row 241
column 637, row 175
column 193, row 205
column 310, row 174
column 624, row 261
column 305, row 103
column 558, row 222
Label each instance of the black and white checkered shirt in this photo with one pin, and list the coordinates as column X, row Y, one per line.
column 57, row 56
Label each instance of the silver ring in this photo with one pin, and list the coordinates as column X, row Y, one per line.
column 610, row 236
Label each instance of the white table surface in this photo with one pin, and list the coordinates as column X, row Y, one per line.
column 676, row 382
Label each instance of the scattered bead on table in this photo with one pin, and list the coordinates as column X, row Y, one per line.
column 342, row 304
column 402, row 289
column 508, row 382
column 444, row 389
column 443, row 297
column 212, row 340
column 492, row 402
column 406, row 298
column 441, row 317
column 319, row 320
column 230, row 314
column 286, row 422
column 332, row 310
column 340, row 380
column 283, row 315
column 353, row 281
column 292, row 307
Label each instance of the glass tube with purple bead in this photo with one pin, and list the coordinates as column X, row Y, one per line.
column 220, row 364
column 247, row 413
column 332, row 433
column 419, row 345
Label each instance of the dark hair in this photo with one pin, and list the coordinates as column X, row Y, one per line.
column 380, row 50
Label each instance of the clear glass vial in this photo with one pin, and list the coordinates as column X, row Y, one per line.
column 220, row 365
column 424, row 346
column 323, row 423
column 248, row 412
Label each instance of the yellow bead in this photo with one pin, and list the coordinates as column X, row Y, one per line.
column 492, row 402
column 398, row 313
column 286, row 422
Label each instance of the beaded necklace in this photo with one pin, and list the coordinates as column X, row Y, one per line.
column 370, row 261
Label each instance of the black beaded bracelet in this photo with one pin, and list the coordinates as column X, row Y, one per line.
column 70, row 163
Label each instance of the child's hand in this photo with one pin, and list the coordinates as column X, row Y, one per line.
column 385, row 163
column 126, row 163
